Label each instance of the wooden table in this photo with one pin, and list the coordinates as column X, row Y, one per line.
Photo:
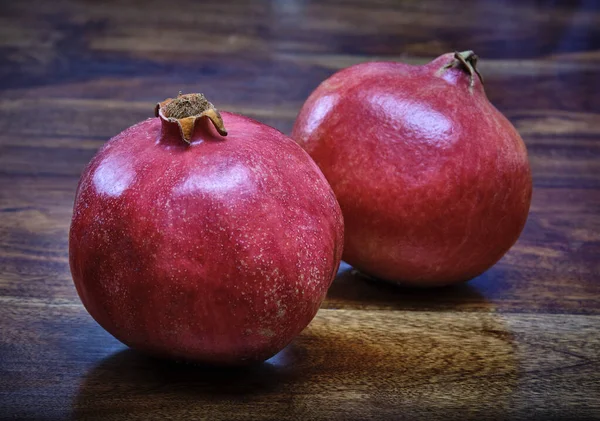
column 521, row 341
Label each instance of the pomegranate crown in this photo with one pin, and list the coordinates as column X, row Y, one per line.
column 185, row 110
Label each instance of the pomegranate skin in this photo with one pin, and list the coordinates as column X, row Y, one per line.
column 218, row 252
column 433, row 181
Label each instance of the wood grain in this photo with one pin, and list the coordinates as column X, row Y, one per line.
column 349, row 364
column 519, row 342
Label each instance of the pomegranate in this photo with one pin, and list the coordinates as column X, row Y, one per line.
column 433, row 181
column 191, row 245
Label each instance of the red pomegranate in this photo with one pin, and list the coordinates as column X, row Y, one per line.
column 188, row 244
column 433, row 181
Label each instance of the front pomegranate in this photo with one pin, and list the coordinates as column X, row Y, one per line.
column 434, row 182
column 191, row 245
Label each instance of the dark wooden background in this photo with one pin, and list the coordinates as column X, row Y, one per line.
column 521, row 341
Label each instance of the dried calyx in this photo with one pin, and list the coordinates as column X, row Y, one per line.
column 185, row 110
column 468, row 60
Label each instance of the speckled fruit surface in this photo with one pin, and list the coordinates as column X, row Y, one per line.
column 433, row 181
column 219, row 251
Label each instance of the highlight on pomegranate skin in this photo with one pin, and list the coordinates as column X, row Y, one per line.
column 433, row 181
column 204, row 235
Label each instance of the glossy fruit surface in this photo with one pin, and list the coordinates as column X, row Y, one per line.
column 219, row 250
column 433, row 181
